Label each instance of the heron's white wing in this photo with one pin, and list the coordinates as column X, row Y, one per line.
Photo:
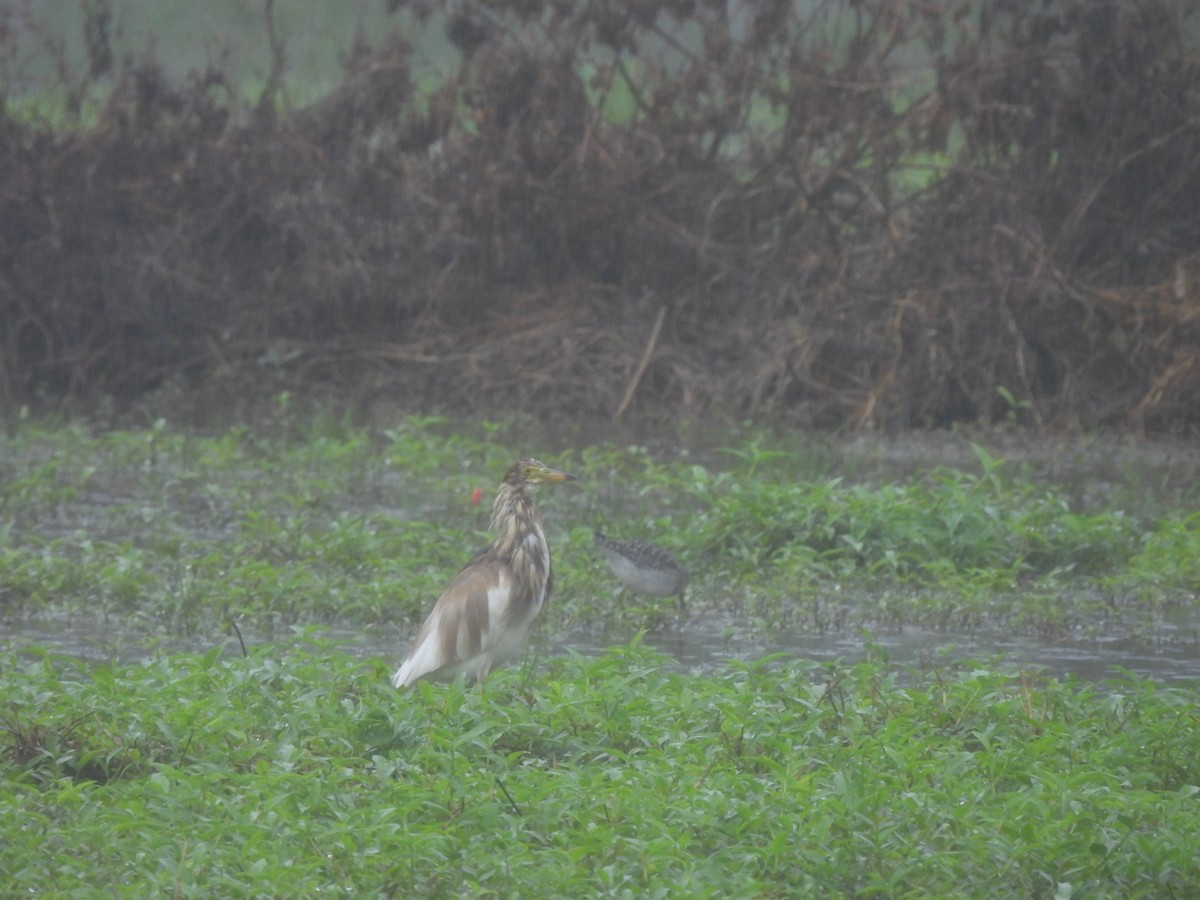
column 467, row 629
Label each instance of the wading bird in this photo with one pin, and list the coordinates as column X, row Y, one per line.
column 486, row 611
column 644, row 568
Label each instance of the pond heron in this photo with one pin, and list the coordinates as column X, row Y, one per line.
column 486, row 611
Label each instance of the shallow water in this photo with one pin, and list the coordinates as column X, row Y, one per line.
column 1161, row 474
column 1173, row 655
column 1088, row 660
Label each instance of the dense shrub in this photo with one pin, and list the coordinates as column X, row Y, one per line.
column 866, row 214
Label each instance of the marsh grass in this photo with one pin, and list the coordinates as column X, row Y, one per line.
column 297, row 770
column 291, row 768
column 318, row 522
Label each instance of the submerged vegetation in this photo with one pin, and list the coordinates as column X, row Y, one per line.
column 183, row 534
column 291, row 767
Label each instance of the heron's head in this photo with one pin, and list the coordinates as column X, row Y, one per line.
column 531, row 471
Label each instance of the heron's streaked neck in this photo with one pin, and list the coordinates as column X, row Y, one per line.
column 513, row 517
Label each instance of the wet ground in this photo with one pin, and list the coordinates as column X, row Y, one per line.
column 1172, row 655
column 1089, row 660
column 1160, row 474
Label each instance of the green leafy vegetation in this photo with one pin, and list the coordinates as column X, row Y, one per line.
column 297, row 770
column 290, row 767
column 324, row 523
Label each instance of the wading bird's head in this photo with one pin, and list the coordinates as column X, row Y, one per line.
column 529, row 472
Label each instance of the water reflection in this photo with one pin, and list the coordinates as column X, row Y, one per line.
column 1173, row 656
column 1090, row 660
